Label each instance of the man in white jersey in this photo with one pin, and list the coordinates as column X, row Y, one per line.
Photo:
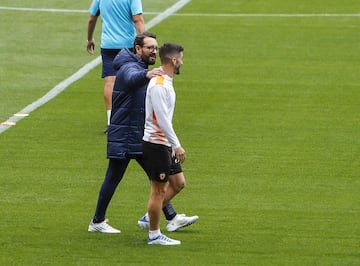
column 160, row 143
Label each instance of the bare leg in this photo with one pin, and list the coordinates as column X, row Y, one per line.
column 155, row 202
column 108, row 89
column 175, row 185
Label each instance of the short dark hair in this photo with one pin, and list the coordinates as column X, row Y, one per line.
column 169, row 50
column 139, row 39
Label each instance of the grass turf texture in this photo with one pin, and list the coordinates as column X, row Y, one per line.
column 268, row 111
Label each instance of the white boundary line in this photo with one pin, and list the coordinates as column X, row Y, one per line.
column 9, row 8
column 186, row 15
column 81, row 73
column 267, row 15
column 53, row 10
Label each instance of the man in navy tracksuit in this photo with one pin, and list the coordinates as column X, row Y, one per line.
column 126, row 129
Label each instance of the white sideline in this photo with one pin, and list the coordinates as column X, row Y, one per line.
column 81, row 73
column 269, row 15
column 54, row 10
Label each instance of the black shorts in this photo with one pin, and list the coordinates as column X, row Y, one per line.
column 108, row 56
column 158, row 162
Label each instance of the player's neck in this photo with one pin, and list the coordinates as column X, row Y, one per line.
column 169, row 70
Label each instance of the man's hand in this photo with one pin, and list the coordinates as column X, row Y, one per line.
column 180, row 154
column 90, row 46
column 155, row 72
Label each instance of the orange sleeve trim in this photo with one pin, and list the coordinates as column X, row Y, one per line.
column 160, row 80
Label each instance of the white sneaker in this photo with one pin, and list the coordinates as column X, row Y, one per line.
column 180, row 221
column 163, row 240
column 102, row 227
column 144, row 222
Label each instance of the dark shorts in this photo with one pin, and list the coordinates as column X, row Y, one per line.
column 158, row 162
column 108, row 56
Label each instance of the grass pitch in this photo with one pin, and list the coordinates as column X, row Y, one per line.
column 267, row 109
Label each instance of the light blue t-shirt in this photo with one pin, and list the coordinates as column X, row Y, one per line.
column 118, row 30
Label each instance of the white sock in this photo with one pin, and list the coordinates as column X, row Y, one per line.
column 154, row 234
column 108, row 112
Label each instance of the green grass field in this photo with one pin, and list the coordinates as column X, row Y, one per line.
column 268, row 110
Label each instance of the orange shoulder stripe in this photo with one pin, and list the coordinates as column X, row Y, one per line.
column 160, row 80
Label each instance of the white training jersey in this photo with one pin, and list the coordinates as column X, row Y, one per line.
column 159, row 110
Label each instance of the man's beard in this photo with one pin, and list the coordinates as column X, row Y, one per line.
column 150, row 60
column 177, row 70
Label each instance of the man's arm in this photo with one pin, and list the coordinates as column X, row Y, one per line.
column 139, row 23
column 159, row 99
column 161, row 112
column 90, row 34
column 135, row 77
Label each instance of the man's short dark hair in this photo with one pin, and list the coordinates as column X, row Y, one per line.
column 169, row 50
column 139, row 39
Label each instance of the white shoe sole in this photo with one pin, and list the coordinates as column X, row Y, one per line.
column 175, row 228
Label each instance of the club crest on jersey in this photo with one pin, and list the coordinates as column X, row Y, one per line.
column 162, row 176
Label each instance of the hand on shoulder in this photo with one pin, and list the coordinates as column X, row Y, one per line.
column 155, row 72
